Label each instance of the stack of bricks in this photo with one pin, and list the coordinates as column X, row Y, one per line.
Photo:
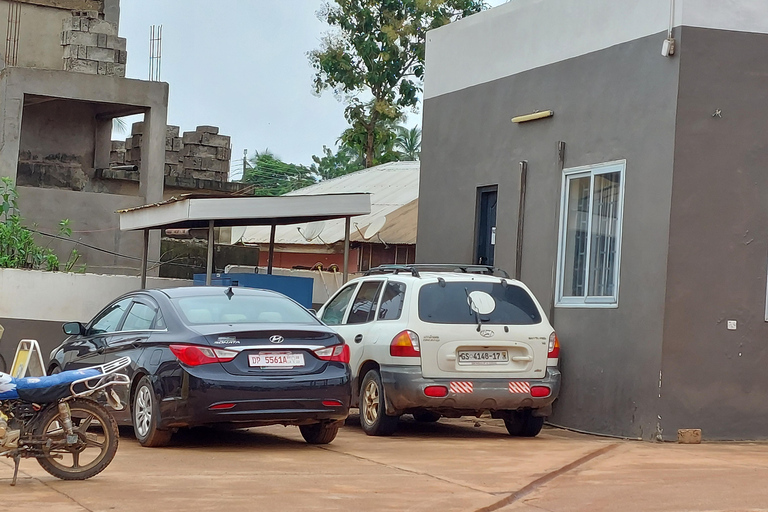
column 202, row 154
column 117, row 155
column 91, row 45
column 173, row 148
column 205, row 154
column 133, row 145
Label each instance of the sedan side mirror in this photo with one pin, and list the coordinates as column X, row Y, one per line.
column 74, row 328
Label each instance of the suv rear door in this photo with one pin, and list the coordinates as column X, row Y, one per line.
column 480, row 328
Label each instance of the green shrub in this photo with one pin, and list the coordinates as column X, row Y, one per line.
column 18, row 248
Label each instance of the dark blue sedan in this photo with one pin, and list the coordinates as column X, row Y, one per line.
column 232, row 356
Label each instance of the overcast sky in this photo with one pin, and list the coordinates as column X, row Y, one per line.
column 241, row 65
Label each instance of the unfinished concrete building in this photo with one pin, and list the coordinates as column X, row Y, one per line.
column 61, row 86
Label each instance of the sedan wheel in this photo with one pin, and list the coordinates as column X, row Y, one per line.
column 319, row 433
column 146, row 415
column 424, row 416
column 373, row 413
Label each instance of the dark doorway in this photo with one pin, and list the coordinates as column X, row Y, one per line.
column 486, row 224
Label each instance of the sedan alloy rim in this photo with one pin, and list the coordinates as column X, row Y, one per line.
column 371, row 403
column 143, row 411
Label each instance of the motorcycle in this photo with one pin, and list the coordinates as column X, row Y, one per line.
column 58, row 420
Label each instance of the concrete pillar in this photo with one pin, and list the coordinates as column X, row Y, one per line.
column 152, row 176
column 102, row 143
column 112, row 11
column 11, row 110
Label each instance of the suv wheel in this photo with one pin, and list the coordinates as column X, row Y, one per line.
column 523, row 423
column 373, row 411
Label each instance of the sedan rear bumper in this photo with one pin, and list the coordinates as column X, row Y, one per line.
column 404, row 391
column 209, row 397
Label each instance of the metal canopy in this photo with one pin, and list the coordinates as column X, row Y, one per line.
column 195, row 211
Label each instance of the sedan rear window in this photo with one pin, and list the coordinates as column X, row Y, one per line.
column 242, row 309
column 466, row 302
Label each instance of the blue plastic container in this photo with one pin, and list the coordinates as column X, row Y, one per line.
column 297, row 288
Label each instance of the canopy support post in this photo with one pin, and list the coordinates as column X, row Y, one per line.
column 209, row 264
column 271, row 261
column 144, row 260
column 347, row 228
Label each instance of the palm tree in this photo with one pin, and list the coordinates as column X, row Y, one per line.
column 408, row 143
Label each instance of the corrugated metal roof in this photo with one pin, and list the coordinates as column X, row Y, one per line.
column 392, row 186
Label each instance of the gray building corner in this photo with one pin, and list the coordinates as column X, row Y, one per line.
column 640, row 224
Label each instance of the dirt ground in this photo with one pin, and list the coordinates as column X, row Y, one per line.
column 453, row 465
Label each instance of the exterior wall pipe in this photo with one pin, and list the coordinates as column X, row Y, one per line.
column 521, row 221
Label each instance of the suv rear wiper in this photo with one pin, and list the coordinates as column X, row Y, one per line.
column 473, row 309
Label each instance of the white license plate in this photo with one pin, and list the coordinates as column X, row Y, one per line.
column 276, row 360
column 483, row 357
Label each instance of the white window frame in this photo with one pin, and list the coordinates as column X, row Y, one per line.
column 580, row 172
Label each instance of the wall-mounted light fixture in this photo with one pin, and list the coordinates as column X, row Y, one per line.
column 532, row 117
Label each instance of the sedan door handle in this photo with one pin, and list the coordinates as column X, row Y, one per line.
column 358, row 338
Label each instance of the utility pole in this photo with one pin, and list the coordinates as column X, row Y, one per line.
column 245, row 162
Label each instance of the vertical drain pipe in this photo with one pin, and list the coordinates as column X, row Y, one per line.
column 521, row 220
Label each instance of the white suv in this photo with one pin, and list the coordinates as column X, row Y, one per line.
column 446, row 340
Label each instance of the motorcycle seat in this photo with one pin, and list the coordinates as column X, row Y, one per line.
column 42, row 389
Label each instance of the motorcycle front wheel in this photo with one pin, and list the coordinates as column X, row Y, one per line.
column 94, row 449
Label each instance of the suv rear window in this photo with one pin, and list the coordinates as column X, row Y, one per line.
column 450, row 303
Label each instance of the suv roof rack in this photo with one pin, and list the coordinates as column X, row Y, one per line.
column 415, row 268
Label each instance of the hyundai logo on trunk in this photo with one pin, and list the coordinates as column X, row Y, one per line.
column 276, row 339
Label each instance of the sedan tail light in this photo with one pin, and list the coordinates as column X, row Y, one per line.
column 405, row 344
column 195, row 355
column 338, row 353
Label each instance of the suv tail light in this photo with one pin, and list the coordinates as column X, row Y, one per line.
column 553, row 349
column 338, row 353
column 405, row 344
column 195, row 355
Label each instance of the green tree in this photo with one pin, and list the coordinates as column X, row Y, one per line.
column 378, row 48
column 408, row 143
column 332, row 165
column 356, row 139
column 273, row 177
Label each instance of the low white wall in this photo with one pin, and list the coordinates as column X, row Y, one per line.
column 64, row 297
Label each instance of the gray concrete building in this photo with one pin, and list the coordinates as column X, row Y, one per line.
column 633, row 203
column 61, row 86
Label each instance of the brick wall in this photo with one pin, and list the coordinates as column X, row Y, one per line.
column 91, row 45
